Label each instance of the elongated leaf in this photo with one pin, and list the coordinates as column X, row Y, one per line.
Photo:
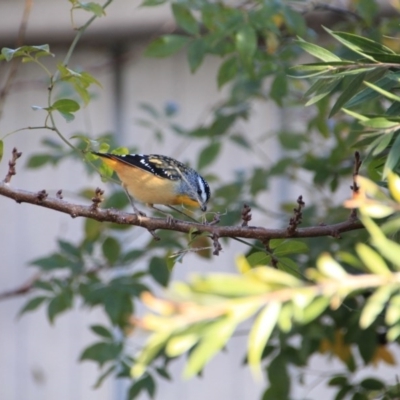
column 369, row 94
column 393, row 310
column 325, row 90
column 33, row 304
column 330, row 268
column 381, row 143
column 394, row 186
column 383, row 92
column 246, row 43
column 393, row 157
column 389, row 249
column 362, row 43
column 180, row 344
column 213, row 339
column 372, row 260
column 379, row 123
column 317, row 51
column 260, row 333
column 375, row 304
column 350, row 89
column 208, row 155
column 352, row 42
column 196, row 52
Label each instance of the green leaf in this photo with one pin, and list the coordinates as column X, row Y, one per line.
column 227, row 71
column 367, row 344
column 393, row 311
column 54, row 261
column 317, row 51
column 39, row 160
column 279, row 87
column 375, row 304
column 95, row 8
column 152, row 3
column 259, row 180
column 291, row 247
column 208, row 155
column 69, row 249
column 101, row 352
column 32, row 304
column 372, row 384
column 111, row 250
column 214, row 338
column 279, row 378
column 145, row 383
column 47, row 286
column 369, row 94
column 195, row 53
column 351, row 87
column 260, row 333
column 379, row 123
column 102, row 331
column 1, row 149
column 159, row 271
column 179, row 344
column 65, row 106
column 372, row 260
column 185, row 19
column 166, row 45
column 246, row 43
column 360, row 42
column 381, row 143
column 7, row 53
column 59, row 304
column 103, row 376
column 393, row 157
column 338, row 381
column 258, row 258
column 383, row 92
column 314, row 309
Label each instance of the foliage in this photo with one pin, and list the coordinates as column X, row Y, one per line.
column 337, row 298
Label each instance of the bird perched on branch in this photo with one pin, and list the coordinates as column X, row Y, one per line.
column 156, row 179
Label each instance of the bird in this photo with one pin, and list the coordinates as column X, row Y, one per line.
column 157, row 179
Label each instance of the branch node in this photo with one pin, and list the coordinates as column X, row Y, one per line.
column 11, row 165
column 216, row 219
column 41, row 195
column 97, row 199
column 297, row 218
column 59, row 195
column 217, row 246
column 246, row 214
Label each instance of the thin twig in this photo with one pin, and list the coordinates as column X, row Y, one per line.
column 354, row 187
column 246, row 215
column 12, row 72
column 296, row 220
column 11, row 165
column 97, row 199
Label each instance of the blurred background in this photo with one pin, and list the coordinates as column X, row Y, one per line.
column 39, row 360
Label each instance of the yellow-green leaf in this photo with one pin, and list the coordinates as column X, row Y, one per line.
column 260, row 333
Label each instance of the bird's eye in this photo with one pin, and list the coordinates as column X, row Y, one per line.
column 199, row 192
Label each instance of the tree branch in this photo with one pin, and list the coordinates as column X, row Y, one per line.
column 42, row 199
